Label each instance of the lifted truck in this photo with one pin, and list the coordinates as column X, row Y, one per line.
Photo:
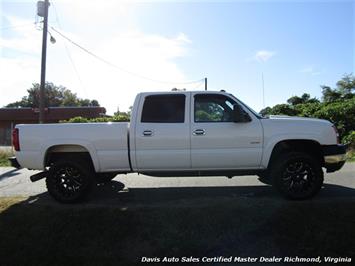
column 182, row 134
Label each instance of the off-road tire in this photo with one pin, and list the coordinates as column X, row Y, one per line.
column 265, row 177
column 104, row 177
column 297, row 175
column 70, row 181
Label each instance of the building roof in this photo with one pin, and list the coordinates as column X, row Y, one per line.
column 51, row 113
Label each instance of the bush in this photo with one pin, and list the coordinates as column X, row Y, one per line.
column 4, row 157
column 115, row 118
column 77, row 119
column 350, row 139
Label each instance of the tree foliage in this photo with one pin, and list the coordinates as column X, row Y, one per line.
column 337, row 105
column 123, row 116
column 305, row 98
column 117, row 117
column 207, row 111
column 54, row 96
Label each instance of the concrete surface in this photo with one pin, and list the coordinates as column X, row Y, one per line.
column 15, row 182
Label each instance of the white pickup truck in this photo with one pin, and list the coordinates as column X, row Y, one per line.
column 182, row 134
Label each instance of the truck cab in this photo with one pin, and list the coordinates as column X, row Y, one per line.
column 194, row 131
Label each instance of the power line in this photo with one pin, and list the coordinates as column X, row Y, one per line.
column 119, row 68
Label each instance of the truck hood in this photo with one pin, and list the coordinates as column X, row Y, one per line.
column 286, row 118
column 290, row 127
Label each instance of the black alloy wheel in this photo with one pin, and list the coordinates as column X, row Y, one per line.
column 298, row 175
column 69, row 181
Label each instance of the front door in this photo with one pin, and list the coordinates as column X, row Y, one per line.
column 217, row 142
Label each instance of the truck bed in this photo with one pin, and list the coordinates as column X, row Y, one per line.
column 106, row 143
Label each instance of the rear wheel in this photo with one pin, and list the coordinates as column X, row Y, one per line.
column 297, row 175
column 69, row 181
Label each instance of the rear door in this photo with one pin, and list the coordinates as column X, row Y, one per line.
column 162, row 132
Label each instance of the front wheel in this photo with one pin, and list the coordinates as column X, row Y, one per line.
column 264, row 177
column 69, row 181
column 297, row 175
column 105, row 177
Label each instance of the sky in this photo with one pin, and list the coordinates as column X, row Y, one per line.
column 159, row 45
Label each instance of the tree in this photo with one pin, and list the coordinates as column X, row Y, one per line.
column 346, row 86
column 305, row 98
column 266, row 111
column 122, row 116
column 54, row 96
column 341, row 113
column 308, row 109
column 294, row 100
column 284, row 109
column 345, row 89
column 330, row 95
column 337, row 106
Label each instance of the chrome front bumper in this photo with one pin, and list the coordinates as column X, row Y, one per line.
column 334, row 157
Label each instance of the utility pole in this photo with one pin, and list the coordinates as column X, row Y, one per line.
column 205, row 84
column 43, row 12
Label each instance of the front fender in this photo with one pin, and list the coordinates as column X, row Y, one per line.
column 274, row 140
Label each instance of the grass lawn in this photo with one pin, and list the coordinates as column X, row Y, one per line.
column 4, row 155
column 53, row 234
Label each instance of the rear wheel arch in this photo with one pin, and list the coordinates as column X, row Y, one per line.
column 74, row 152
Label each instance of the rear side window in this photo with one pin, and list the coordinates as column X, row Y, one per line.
column 164, row 109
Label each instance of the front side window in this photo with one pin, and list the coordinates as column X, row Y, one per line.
column 213, row 108
column 164, row 109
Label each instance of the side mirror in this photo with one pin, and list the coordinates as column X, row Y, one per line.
column 239, row 115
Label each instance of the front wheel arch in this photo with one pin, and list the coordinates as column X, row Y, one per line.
column 311, row 147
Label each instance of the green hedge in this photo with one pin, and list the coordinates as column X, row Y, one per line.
column 80, row 119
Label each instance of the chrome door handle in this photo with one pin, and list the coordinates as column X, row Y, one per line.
column 199, row 132
column 147, row 133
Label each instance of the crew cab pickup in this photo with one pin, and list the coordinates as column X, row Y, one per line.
column 197, row 133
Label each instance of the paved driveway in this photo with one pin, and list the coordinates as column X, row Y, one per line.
column 15, row 182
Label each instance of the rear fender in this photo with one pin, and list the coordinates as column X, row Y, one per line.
column 80, row 144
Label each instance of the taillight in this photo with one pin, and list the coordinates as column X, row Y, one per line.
column 336, row 133
column 15, row 139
